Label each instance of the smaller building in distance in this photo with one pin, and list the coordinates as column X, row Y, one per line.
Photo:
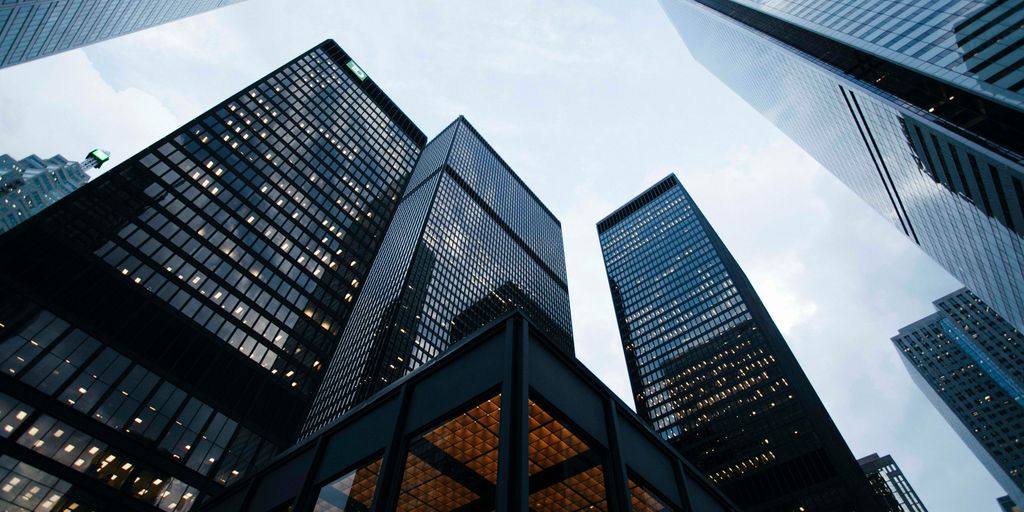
column 970, row 363
column 505, row 420
column 31, row 184
column 889, row 483
column 1007, row 505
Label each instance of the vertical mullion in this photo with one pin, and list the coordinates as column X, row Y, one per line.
column 513, row 451
column 389, row 482
column 616, row 484
column 304, row 501
column 679, row 472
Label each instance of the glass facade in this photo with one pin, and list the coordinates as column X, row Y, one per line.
column 168, row 323
column 469, row 243
column 970, row 363
column 710, row 370
column 505, row 420
column 31, row 184
column 31, row 29
column 455, row 464
column 942, row 163
column 352, row 491
column 24, row 488
column 973, row 44
column 889, row 483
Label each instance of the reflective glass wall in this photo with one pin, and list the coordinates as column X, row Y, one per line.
column 469, row 243
column 975, row 44
column 970, row 363
column 945, row 169
column 166, row 325
column 709, row 369
column 33, row 29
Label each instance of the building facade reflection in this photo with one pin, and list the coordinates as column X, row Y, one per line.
column 888, row 104
column 467, row 231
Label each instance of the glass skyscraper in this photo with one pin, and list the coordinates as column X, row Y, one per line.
column 164, row 328
column 710, row 370
column 469, row 242
column 970, row 363
column 916, row 106
column 31, row 184
column 890, row 484
column 32, row 29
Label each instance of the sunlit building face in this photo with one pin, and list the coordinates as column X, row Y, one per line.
column 918, row 109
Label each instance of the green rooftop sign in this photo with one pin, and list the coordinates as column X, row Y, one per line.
column 357, row 70
column 100, row 155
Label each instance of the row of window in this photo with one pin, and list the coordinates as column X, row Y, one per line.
column 79, row 372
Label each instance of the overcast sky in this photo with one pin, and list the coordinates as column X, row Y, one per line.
column 590, row 102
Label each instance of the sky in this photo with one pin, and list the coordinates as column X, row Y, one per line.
column 590, row 102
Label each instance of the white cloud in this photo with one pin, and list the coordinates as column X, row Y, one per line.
column 590, row 102
column 61, row 104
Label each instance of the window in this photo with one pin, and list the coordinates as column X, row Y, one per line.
column 454, row 465
column 351, row 492
column 644, row 500
column 565, row 473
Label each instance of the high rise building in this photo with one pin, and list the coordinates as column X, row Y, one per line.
column 916, row 106
column 710, row 370
column 469, row 242
column 970, row 363
column 32, row 29
column 31, row 184
column 164, row 328
column 889, row 483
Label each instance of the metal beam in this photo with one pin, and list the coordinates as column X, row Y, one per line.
column 513, row 453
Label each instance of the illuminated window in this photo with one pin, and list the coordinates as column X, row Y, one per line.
column 12, row 414
column 644, row 500
column 454, row 465
column 353, row 491
column 565, row 473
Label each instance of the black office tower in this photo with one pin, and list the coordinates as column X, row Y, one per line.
column 163, row 328
column 711, row 371
column 916, row 106
column 469, row 242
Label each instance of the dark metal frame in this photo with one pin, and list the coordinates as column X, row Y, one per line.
column 508, row 356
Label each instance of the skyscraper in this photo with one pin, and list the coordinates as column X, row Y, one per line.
column 890, row 484
column 970, row 363
column 916, row 106
column 469, row 242
column 32, row 29
column 710, row 370
column 31, row 184
column 164, row 328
